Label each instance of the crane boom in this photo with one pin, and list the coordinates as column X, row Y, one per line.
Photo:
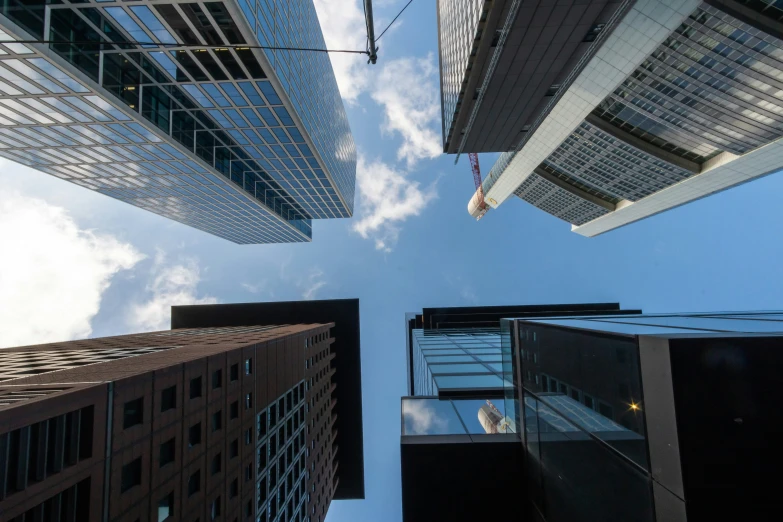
column 474, row 165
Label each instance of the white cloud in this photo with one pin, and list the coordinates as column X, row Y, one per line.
column 254, row 288
column 342, row 23
column 170, row 284
column 421, row 419
column 387, row 197
column 407, row 90
column 313, row 284
column 52, row 273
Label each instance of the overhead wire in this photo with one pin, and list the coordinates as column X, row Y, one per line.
column 395, row 19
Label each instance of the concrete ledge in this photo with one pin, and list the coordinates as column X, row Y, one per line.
column 720, row 173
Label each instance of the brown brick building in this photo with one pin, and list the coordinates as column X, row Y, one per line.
column 232, row 423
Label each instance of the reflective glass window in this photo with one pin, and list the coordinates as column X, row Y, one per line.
column 430, row 417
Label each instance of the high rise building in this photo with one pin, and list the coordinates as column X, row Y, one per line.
column 174, row 108
column 607, row 415
column 192, row 424
column 610, row 112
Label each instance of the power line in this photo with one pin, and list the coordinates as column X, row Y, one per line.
column 188, row 46
column 395, row 19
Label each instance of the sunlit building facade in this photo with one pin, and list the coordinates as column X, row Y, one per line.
column 210, row 423
column 174, row 108
column 603, row 415
column 651, row 105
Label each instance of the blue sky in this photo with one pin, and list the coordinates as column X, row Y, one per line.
column 79, row 264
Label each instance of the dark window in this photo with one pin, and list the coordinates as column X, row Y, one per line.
column 216, row 464
column 131, row 475
column 195, row 388
column 248, row 436
column 249, row 509
column 605, row 410
column 217, row 379
column 194, row 435
column 593, row 32
column 233, row 449
column 168, row 399
column 248, row 366
column 234, row 372
column 166, row 507
column 217, row 421
column 248, row 401
column 589, row 402
column 234, row 410
column 215, row 508
column 194, row 483
column 248, row 473
column 234, row 488
column 167, row 452
column 262, row 458
column 553, row 90
column 134, row 413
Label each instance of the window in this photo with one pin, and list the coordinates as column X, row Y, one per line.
column 168, row 399
column 249, row 509
column 194, row 435
column 233, row 411
column 195, row 388
column 248, row 366
column 166, row 507
column 217, row 379
column 233, row 488
column 131, row 475
column 234, row 372
column 248, row 401
column 167, row 452
column 194, row 483
column 217, row 421
column 248, row 436
column 216, row 464
column 215, row 508
column 233, row 449
column 248, row 473
column 133, row 413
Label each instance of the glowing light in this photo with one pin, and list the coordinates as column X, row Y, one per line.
column 634, row 406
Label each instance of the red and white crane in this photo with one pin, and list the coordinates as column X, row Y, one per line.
column 477, row 206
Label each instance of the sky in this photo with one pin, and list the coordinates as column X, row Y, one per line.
column 76, row 264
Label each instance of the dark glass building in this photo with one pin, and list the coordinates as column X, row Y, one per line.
column 608, row 112
column 192, row 424
column 615, row 416
column 172, row 107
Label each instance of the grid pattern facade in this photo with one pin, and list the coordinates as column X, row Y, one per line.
column 196, row 132
column 456, row 359
column 557, row 201
column 610, row 167
column 716, row 84
column 309, row 82
column 233, row 424
column 458, row 29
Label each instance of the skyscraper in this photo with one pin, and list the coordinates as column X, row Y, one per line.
column 613, row 415
column 192, row 424
column 172, row 107
column 610, row 112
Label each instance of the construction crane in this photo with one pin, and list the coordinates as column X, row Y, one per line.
column 477, row 206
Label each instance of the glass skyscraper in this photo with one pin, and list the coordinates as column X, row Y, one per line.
column 609, row 112
column 172, row 107
column 603, row 414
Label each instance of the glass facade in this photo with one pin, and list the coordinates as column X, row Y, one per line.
column 458, row 28
column 713, row 87
column 584, row 405
column 433, row 416
column 193, row 131
column 456, row 359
